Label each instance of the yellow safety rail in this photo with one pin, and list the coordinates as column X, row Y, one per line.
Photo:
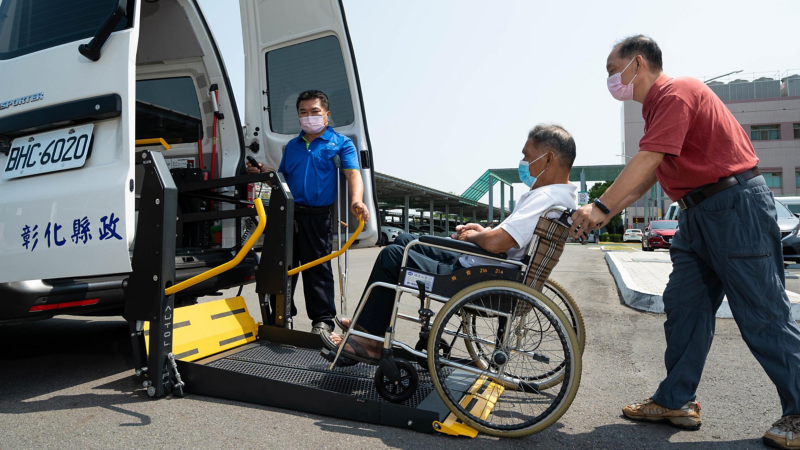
column 153, row 141
column 262, row 222
column 335, row 254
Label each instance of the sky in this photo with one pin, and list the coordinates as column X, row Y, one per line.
column 452, row 87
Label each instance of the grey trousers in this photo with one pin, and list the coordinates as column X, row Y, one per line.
column 730, row 245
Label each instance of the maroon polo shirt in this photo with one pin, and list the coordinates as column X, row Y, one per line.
column 701, row 140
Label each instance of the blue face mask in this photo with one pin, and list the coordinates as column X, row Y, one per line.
column 525, row 173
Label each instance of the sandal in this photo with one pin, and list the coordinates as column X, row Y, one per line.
column 330, row 346
column 345, row 328
column 359, row 354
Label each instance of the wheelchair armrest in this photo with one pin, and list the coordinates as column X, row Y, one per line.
column 459, row 246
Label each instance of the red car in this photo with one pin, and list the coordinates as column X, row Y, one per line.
column 659, row 234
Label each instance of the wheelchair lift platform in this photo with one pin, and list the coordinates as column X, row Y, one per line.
column 217, row 349
column 284, row 369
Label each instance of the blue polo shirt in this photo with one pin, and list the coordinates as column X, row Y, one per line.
column 309, row 169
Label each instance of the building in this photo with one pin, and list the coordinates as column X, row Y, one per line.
column 768, row 108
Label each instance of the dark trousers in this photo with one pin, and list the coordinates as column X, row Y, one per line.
column 729, row 245
column 313, row 240
column 376, row 315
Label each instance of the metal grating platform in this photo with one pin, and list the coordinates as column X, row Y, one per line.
column 308, row 368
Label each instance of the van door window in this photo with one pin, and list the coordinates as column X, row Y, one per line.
column 27, row 26
column 168, row 108
column 316, row 64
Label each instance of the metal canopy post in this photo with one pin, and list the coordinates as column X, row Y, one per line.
column 502, row 201
column 490, row 219
column 461, row 215
column 430, row 222
column 447, row 218
column 474, row 216
column 511, row 203
column 405, row 214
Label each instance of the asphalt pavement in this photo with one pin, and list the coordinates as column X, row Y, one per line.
column 68, row 383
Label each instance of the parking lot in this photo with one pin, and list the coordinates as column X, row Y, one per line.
column 68, row 383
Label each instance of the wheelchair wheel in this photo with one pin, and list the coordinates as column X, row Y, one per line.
column 519, row 335
column 402, row 389
column 566, row 303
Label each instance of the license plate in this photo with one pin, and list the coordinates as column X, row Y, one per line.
column 56, row 150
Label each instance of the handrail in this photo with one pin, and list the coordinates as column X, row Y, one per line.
column 335, row 254
column 262, row 222
column 153, row 141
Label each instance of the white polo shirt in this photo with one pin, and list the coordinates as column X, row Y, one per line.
column 521, row 223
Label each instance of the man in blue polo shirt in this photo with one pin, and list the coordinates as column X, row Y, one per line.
column 310, row 172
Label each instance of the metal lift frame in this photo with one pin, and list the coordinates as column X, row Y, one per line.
column 146, row 300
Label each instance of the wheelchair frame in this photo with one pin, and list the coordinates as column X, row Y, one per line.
column 388, row 340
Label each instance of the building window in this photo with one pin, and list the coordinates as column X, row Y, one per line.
column 773, row 179
column 765, row 132
column 797, row 179
column 797, row 131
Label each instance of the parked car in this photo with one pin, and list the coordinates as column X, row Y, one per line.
column 659, row 234
column 633, row 234
column 389, row 232
column 787, row 221
column 790, row 227
column 437, row 230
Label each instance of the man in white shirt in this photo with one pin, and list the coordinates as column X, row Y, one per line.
column 548, row 155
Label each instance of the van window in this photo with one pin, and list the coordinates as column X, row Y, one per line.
column 168, row 108
column 316, row 64
column 27, row 26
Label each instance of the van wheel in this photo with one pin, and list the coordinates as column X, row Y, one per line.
column 384, row 240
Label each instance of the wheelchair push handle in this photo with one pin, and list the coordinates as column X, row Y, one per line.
column 564, row 218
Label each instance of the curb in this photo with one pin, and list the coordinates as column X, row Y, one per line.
column 635, row 297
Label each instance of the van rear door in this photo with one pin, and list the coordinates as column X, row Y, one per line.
column 66, row 136
column 290, row 47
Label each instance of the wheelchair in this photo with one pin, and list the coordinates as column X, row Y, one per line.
column 503, row 348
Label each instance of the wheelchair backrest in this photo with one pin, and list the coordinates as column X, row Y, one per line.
column 546, row 247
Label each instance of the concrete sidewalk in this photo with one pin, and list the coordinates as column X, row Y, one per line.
column 641, row 278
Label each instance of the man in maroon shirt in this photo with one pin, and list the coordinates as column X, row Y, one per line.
column 728, row 242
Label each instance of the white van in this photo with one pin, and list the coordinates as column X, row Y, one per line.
column 84, row 79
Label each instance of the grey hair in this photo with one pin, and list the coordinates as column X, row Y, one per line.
column 557, row 139
column 640, row 45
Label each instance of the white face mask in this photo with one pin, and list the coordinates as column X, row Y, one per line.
column 618, row 90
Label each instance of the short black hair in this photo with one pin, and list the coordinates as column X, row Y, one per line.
column 311, row 95
column 557, row 139
column 640, row 45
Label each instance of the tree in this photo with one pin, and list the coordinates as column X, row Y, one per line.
column 596, row 191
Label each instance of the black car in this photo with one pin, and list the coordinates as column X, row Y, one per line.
column 791, row 245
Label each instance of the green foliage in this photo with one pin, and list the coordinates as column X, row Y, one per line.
column 597, row 191
column 607, row 237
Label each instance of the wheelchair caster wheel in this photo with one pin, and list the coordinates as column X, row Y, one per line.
column 399, row 390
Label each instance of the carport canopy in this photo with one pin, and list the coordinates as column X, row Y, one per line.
column 396, row 193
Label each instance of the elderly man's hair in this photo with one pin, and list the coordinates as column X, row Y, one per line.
column 556, row 138
column 312, row 95
column 643, row 45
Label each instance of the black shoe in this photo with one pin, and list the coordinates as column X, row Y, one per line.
column 321, row 327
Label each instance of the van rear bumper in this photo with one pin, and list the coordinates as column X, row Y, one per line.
column 104, row 295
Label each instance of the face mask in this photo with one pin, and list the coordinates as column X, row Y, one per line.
column 525, row 173
column 618, row 90
column 312, row 124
